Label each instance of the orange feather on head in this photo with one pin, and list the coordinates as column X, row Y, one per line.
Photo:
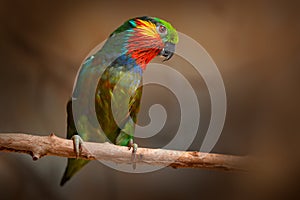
column 145, row 43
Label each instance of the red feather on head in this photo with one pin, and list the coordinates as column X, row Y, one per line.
column 144, row 43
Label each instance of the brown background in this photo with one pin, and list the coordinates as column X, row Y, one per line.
column 255, row 44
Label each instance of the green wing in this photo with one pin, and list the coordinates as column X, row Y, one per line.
column 113, row 88
column 118, row 102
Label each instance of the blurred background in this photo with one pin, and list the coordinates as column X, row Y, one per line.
column 255, row 45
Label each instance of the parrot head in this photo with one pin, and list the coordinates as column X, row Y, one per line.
column 146, row 38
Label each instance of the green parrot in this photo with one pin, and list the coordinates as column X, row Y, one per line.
column 108, row 90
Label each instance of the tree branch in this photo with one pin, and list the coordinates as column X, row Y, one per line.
column 39, row 146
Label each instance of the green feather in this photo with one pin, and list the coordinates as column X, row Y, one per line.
column 120, row 77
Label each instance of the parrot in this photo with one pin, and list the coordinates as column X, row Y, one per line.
column 118, row 69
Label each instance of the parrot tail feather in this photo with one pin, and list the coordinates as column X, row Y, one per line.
column 74, row 165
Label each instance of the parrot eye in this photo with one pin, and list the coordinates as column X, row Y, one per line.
column 162, row 29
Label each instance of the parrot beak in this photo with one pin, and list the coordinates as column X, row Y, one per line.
column 168, row 51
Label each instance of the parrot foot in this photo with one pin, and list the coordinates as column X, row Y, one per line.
column 134, row 147
column 77, row 142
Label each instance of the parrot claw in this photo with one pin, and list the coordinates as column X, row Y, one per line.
column 134, row 147
column 77, row 142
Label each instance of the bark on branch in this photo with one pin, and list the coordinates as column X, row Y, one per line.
column 39, row 146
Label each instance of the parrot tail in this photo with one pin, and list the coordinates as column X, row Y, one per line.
column 73, row 166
